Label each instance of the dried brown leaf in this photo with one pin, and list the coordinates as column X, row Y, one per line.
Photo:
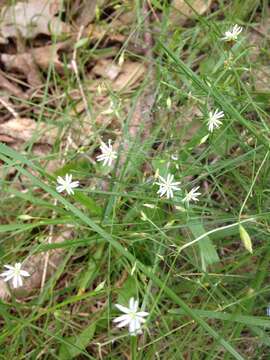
column 25, row 129
column 131, row 74
column 121, row 78
column 261, row 78
column 258, row 39
column 35, row 266
column 181, row 11
column 87, row 11
column 28, row 19
column 107, row 69
column 28, row 62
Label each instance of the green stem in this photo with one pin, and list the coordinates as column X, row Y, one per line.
column 133, row 340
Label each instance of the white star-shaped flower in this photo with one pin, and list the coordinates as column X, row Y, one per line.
column 66, row 184
column 232, row 34
column 167, row 186
column 15, row 273
column 213, row 120
column 192, row 195
column 107, row 153
column 131, row 318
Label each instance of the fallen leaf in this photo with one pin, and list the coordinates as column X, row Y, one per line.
column 261, row 78
column 106, row 69
column 181, row 11
column 35, row 266
column 121, row 78
column 25, row 129
column 96, row 32
column 27, row 63
column 258, row 39
column 87, row 11
column 28, row 19
column 131, row 74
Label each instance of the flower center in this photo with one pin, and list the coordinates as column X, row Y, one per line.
column 133, row 315
column 17, row 270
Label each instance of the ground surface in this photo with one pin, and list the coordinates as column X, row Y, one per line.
column 145, row 75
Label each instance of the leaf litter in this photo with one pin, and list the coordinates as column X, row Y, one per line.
column 29, row 19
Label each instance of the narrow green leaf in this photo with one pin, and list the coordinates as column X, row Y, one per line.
column 207, row 249
column 243, row 319
column 89, row 203
column 81, row 43
column 74, row 345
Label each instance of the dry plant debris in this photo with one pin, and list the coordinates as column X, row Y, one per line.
column 25, row 129
column 182, row 10
column 122, row 78
column 30, row 62
column 28, row 19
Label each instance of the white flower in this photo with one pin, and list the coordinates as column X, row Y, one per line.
column 213, row 121
column 107, row 153
column 167, row 186
column 66, row 184
column 15, row 273
column 231, row 35
column 192, row 195
column 132, row 317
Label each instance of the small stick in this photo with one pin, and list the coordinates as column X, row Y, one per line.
column 9, row 108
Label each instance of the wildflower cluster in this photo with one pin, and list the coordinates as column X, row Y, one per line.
column 132, row 316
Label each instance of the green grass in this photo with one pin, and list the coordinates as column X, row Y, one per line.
column 206, row 293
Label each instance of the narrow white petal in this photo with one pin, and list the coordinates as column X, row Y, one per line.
column 24, row 273
column 60, row 180
column 124, row 323
column 131, row 303
column 60, row 188
column 135, row 306
column 68, row 178
column 7, row 273
column 142, row 313
column 10, row 267
column 75, row 184
column 70, row 191
column 15, row 281
column 161, row 191
column 20, row 282
column 137, row 324
column 8, row 277
column 121, row 318
column 122, row 308
column 132, row 327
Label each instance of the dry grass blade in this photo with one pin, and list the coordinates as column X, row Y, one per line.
column 11, row 88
